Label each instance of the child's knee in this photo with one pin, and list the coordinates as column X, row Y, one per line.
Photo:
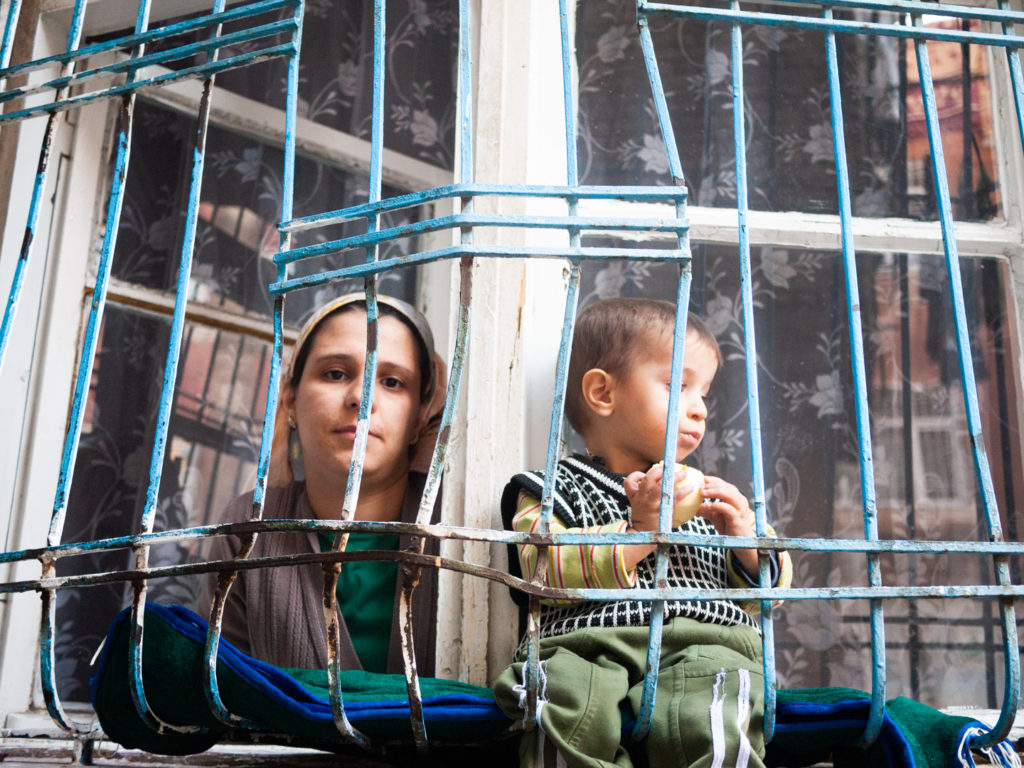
column 729, row 703
column 578, row 703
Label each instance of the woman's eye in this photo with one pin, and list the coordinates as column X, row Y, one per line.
column 392, row 382
column 334, row 374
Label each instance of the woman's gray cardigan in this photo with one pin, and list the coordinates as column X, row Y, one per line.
column 276, row 614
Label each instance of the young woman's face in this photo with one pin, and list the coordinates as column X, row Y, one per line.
column 325, row 403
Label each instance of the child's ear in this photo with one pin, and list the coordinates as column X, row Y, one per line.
column 599, row 391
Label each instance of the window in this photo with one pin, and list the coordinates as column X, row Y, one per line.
column 216, row 415
column 922, row 457
column 941, row 651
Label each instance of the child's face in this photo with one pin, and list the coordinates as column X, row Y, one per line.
column 641, row 403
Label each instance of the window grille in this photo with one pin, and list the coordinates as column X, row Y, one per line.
column 78, row 81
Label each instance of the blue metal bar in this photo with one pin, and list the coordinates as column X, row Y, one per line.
column 330, row 598
column 205, row 70
column 170, row 376
column 889, row 6
column 734, row 15
column 461, row 220
column 412, row 681
column 867, row 473
column 781, row 544
column 647, row 699
column 132, row 41
column 47, row 663
column 668, row 135
column 550, row 472
column 983, row 475
column 49, row 597
column 210, row 683
column 749, row 345
column 898, row 546
column 568, row 97
column 10, row 24
column 73, row 38
column 458, row 365
column 82, row 78
column 497, row 251
column 366, row 401
column 433, row 482
column 469, row 189
column 643, row 721
column 1016, row 75
column 551, row 467
column 555, row 425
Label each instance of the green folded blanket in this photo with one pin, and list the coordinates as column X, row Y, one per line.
column 824, row 724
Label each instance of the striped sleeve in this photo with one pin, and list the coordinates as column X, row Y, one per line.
column 573, row 566
column 784, row 577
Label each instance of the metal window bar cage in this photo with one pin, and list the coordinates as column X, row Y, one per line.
column 53, row 96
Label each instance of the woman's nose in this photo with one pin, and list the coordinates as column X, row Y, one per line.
column 354, row 395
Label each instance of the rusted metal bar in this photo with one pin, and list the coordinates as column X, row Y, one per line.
column 953, row 592
column 227, row 578
column 49, row 598
column 443, row 532
column 156, row 466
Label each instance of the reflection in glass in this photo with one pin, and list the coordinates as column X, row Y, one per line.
column 236, row 235
column 336, row 68
column 212, row 445
column 941, row 652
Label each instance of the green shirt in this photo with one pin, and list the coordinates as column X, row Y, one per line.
column 366, row 597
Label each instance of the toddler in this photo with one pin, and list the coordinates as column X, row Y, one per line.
column 708, row 708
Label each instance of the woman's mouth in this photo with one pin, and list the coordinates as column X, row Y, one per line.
column 350, row 431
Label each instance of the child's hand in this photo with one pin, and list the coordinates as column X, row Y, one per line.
column 728, row 510
column 725, row 508
column 644, row 493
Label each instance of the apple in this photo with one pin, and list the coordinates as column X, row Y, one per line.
column 687, row 507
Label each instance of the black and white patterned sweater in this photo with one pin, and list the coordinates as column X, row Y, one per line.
column 588, row 494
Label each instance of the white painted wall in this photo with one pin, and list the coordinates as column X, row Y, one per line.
column 510, row 370
column 36, row 383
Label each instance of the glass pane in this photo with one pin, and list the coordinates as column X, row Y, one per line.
column 212, row 445
column 924, row 474
column 789, row 150
column 336, row 70
column 236, row 235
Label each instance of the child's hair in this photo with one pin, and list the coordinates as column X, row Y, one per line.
column 610, row 334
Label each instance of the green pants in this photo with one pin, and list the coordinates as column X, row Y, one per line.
column 707, row 712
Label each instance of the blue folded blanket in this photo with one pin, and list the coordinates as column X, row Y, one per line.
column 294, row 702
column 812, row 724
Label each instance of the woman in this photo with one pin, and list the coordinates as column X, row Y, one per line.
column 276, row 614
